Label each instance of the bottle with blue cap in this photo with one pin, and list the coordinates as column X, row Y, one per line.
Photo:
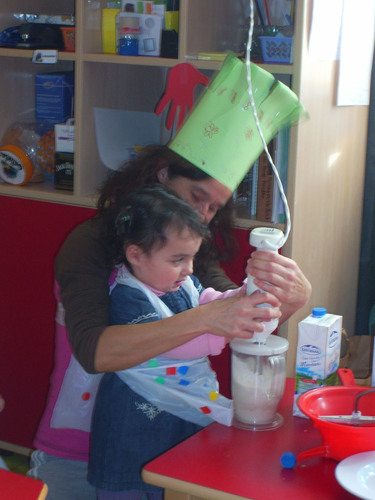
column 318, row 352
column 318, row 312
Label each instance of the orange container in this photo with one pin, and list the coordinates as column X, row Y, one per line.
column 69, row 36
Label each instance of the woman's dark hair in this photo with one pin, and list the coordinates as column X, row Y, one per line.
column 148, row 213
column 143, row 171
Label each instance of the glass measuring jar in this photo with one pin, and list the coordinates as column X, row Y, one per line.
column 258, row 382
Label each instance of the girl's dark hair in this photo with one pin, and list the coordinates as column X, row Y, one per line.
column 147, row 214
column 143, row 171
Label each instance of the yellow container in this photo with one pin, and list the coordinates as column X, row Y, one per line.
column 109, row 30
column 171, row 20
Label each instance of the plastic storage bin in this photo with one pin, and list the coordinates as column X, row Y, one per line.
column 276, row 49
column 27, row 153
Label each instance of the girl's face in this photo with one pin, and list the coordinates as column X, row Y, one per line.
column 207, row 196
column 166, row 268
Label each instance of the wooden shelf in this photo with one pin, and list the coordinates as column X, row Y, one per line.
column 104, row 80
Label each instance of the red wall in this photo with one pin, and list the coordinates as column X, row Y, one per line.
column 31, row 234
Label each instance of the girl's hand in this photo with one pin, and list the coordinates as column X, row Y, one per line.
column 239, row 316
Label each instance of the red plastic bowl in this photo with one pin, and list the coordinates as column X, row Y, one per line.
column 339, row 440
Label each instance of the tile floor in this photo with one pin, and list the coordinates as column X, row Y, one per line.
column 15, row 462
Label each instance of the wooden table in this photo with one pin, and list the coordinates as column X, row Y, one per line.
column 227, row 463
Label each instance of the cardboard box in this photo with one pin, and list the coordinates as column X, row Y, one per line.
column 64, row 137
column 54, row 93
column 318, row 354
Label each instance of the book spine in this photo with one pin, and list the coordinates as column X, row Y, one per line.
column 281, row 163
column 254, row 192
column 265, row 186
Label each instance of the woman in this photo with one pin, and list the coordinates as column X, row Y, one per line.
column 83, row 269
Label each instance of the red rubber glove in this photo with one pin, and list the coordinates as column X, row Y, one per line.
column 182, row 80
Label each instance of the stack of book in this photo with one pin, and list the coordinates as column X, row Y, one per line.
column 258, row 196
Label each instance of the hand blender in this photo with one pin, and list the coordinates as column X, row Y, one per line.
column 265, row 239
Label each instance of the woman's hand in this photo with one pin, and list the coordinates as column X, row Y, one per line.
column 283, row 278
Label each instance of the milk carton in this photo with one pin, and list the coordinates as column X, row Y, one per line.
column 318, row 352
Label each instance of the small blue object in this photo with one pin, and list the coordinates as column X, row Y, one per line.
column 288, row 460
column 183, row 369
column 183, row 381
column 128, row 46
column 318, row 312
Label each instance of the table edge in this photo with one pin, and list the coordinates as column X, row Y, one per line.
column 171, row 483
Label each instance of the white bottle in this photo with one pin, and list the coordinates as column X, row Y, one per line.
column 265, row 239
column 318, row 352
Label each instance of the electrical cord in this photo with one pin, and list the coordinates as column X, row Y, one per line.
column 252, row 101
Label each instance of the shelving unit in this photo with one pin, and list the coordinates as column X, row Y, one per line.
column 324, row 190
column 107, row 80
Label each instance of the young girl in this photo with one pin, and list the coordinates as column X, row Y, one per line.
column 143, row 411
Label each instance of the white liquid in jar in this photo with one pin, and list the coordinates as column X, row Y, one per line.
column 256, row 389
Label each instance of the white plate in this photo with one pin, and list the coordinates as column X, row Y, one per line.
column 357, row 474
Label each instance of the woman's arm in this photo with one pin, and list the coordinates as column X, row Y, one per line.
column 214, row 276
column 122, row 346
column 286, row 287
column 82, row 275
